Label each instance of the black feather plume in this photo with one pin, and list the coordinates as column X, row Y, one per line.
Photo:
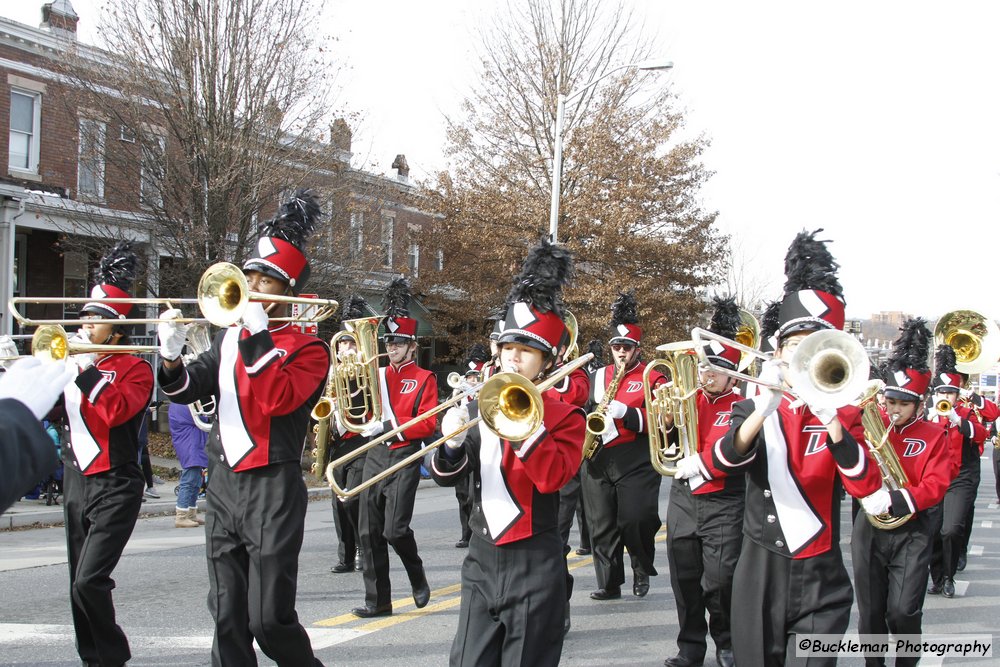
column 477, row 354
column 118, row 266
column 912, row 347
column 625, row 309
column 769, row 320
column 944, row 359
column 726, row 318
column 354, row 307
column 810, row 266
column 498, row 314
column 545, row 271
column 296, row 219
column 878, row 371
column 396, row 301
column 596, row 347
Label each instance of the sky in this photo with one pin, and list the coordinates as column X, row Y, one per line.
column 877, row 121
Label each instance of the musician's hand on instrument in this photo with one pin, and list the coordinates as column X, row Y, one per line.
column 688, row 467
column 454, row 419
column 172, row 335
column 767, row 400
column 374, row 430
column 254, row 317
column 824, row 415
column 36, row 384
column 617, row 409
column 877, row 503
column 82, row 361
column 953, row 417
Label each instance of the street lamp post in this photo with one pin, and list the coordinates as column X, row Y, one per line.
column 561, row 100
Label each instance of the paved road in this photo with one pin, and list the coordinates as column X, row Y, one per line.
column 162, row 582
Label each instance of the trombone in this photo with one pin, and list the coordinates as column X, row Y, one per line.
column 51, row 343
column 223, row 295
column 509, row 404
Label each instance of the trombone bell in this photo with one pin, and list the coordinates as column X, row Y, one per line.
column 50, row 343
column 511, row 406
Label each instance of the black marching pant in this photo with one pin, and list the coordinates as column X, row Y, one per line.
column 996, row 468
column 512, row 603
column 463, row 493
column 889, row 568
column 100, row 512
column 386, row 510
column 571, row 504
column 346, row 519
column 954, row 511
column 621, row 495
column 704, row 537
column 775, row 598
column 254, row 526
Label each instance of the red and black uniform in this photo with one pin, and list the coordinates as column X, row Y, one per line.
column 889, row 564
column 620, row 486
column 513, row 594
column 387, row 507
column 987, row 412
column 791, row 573
column 990, row 413
column 265, row 386
column 346, row 512
column 961, row 493
column 574, row 390
column 102, row 493
column 704, row 520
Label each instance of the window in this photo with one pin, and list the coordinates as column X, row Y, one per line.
column 90, row 162
column 154, row 170
column 25, row 125
column 20, row 253
column 413, row 259
column 387, row 225
column 126, row 134
column 356, row 235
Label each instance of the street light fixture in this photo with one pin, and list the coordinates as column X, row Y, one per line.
column 561, row 100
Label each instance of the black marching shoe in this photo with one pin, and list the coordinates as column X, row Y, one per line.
column 725, row 657
column 359, row 564
column 640, row 584
column 372, row 612
column 948, row 589
column 606, row 593
column 934, row 589
column 421, row 594
column 342, row 567
column 680, row 661
column 962, row 561
column 583, row 551
column 462, row 544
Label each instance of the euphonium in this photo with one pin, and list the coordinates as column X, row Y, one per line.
column 877, row 436
column 678, row 399
column 198, row 342
column 974, row 337
column 354, row 377
column 597, row 421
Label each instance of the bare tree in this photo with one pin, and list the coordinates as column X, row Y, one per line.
column 629, row 209
column 751, row 289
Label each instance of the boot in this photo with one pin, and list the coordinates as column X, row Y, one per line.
column 193, row 515
column 184, row 520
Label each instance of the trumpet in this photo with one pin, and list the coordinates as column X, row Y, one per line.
column 678, row 399
column 509, row 404
column 943, row 406
column 223, row 295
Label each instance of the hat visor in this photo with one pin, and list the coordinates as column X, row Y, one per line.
column 900, row 395
column 267, row 270
column 523, row 340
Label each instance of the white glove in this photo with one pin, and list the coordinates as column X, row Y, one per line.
column 35, row 384
column 688, row 467
column 877, row 503
column 931, row 414
column 824, row 415
column 454, row 419
column 172, row 334
column 953, row 417
column 254, row 317
column 373, row 430
column 617, row 409
column 767, row 400
column 82, row 361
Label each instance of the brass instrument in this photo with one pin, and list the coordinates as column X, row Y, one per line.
column 509, row 404
column 322, row 412
column 223, row 295
column 51, row 343
column 974, row 337
column 747, row 334
column 943, row 406
column 677, row 399
column 597, row 421
column 198, row 342
column 354, row 378
column 828, row 369
column 885, row 457
column 573, row 349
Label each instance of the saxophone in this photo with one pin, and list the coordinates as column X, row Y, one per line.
column 597, row 421
column 323, row 413
column 893, row 475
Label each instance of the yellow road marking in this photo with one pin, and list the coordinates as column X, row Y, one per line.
column 402, row 603
column 395, row 619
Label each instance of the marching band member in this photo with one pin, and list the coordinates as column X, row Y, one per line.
column 265, row 377
column 386, row 508
column 790, row 571
column 475, row 361
column 102, row 480
column 28, row 390
column 987, row 412
column 346, row 520
column 964, row 428
column 705, row 513
column 620, row 486
column 513, row 579
column 889, row 565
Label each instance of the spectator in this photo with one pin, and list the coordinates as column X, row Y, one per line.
column 189, row 443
